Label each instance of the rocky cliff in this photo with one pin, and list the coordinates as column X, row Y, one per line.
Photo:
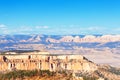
column 73, row 67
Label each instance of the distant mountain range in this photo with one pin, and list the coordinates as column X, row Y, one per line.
column 31, row 42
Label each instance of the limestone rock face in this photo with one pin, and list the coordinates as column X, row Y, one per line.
column 46, row 62
column 69, row 63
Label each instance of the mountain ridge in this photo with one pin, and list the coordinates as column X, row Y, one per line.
column 60, row 41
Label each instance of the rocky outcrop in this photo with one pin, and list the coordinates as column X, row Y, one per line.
column 46, row 62
column 79, row 67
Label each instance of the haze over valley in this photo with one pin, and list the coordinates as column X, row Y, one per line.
column 101, row 49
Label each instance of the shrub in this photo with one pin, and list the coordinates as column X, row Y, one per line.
column 25, row 73
column 89, row 78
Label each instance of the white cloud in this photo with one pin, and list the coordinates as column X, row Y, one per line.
column 117, row 29
column 93, row 28
column 25, row 28
column 4, row 29
column 29, row 29
column 2, row 26
column 22, row 30
column 63, row 29
column 41, row 27
column 96, row 28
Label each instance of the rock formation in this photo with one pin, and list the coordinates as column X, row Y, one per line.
column 46, row 62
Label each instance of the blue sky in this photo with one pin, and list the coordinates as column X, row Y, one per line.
column 60, row 17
